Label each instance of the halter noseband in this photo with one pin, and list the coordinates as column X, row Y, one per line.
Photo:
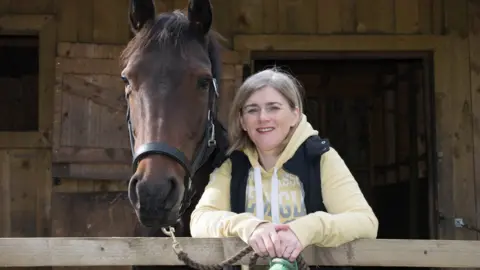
column 202, row 153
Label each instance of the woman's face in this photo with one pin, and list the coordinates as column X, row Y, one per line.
column 267, row 118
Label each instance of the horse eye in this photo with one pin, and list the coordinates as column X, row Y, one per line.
column 203, row 83
column 125, row 80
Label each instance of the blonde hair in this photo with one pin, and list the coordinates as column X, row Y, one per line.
column 289, row 87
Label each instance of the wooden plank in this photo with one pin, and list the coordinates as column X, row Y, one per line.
column 442, row 68
column 89, row 50
column 71, row 185
column 24, row 140
column 297, row 17
column 112, row 98
column 110, row 23
column 438, row 17
column 247, row 16
column 329, row 16
column 407, row 16
column 92, row 155
column 88, row 66
column 4, row 6
column 474, row 40
column 84, row 20
column 100, row 172
column 26, row 184
column 98, row 251
column 23, row 24
column 380, row 43
column 90, row 219
column 375, row 16
column 68, row 23
column 32, row 7
column 46, row 82
column 5, row 221
column 425, row 16
column 87, row 124
column 461, row 111
column 270, row 16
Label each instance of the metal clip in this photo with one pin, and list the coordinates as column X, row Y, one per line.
column 171, row 232
column 459, row 222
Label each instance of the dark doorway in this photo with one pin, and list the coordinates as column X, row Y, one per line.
column 19, row 83
column 376, row 114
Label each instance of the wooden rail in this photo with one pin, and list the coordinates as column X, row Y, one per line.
column 31, row 252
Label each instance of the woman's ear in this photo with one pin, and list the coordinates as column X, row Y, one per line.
column 242, row 122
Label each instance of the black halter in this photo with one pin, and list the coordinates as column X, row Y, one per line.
column 202, row 153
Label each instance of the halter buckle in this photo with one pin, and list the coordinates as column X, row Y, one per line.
column 211, row 141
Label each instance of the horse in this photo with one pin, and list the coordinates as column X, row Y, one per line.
column 171, row 68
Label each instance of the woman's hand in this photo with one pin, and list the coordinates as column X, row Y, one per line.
column 265, row 241
column 291, row 246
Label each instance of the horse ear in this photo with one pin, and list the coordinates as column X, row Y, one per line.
column 140, row 12
column 200, row 15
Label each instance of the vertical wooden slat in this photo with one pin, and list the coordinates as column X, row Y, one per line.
column 375, row 16
column 425, row 16
column 5, row 221
column 43, row 172
column 109, row 25
column 247, row 16
column 297, row 17
column 46, row 82
column 462, row 140
column 348, row 15
column 85, row 20
column 4, row 6
column 329, row 18
column 222, row 18
column 67, row 20
column 32, row 7
column 270, row 16
column 444, row 155
column 407, row 16
column 438, row 17
column 23, row 192
column 474, row 40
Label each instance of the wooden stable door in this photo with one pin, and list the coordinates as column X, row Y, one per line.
column 27, row 67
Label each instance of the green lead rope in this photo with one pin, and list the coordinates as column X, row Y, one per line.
column 282, row 264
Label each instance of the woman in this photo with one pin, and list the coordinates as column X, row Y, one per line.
column 267, row 124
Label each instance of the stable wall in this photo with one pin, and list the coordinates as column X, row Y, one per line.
column 89, row 35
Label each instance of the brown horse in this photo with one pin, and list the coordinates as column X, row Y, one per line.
column 170, row 69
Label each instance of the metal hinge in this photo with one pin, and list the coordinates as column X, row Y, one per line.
column 460, row 223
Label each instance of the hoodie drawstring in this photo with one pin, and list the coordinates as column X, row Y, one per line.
column 274, row 202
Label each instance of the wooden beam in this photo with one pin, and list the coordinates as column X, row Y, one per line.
column 92, row 155
column 23, row 24
column 29, row 139
column 350, row 43
column 104, row 171
column 59, row 251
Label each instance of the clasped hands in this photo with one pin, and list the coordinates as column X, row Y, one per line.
column 276, row 241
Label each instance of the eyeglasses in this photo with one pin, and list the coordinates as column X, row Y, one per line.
column 255, row 110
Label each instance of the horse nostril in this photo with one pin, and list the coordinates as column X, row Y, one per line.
column 133, row 191
column 173, row 184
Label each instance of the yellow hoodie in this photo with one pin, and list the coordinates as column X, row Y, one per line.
column 349, row 216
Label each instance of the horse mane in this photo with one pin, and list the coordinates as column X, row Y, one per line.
column 170, row 29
